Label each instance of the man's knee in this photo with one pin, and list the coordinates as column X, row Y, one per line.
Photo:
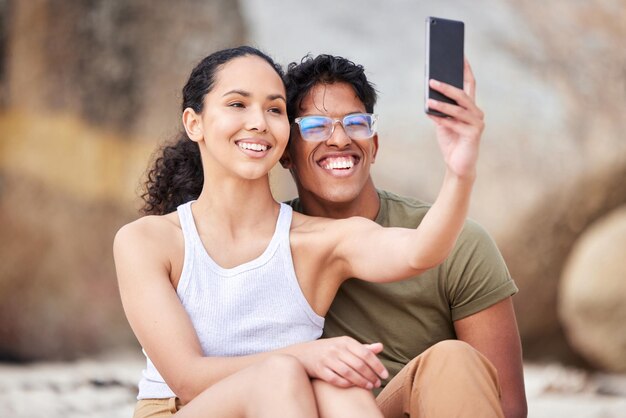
column 449, row 356
column 451, row 350
column 461, row 359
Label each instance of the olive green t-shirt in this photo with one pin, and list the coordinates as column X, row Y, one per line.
column 411, row 315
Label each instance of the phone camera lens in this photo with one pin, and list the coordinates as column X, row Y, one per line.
column 434, row 22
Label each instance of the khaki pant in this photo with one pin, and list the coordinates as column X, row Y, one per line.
column 156, row 408
column 450, row 379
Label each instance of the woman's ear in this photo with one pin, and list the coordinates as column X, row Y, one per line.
column 193, row 125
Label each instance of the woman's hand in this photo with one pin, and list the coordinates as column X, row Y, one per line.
column 459, row 135
column 343, row 362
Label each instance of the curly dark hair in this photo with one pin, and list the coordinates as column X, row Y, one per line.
column 302, row 76
column 176, row 175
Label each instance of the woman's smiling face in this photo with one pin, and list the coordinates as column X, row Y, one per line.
column 243, row 125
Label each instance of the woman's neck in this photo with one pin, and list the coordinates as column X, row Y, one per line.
column 237, row 203
column 231, row 202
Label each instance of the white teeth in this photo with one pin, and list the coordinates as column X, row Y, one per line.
column 338, row 163
column 252, row 146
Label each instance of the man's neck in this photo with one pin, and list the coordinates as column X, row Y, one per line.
column 366, row 204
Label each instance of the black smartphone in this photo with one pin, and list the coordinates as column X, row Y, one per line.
column 444, row 57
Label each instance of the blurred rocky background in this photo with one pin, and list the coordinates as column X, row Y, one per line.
column 88, row 89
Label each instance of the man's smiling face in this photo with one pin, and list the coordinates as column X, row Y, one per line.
column 335, row 170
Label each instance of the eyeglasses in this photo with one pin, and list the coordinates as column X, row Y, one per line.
column 320, row 128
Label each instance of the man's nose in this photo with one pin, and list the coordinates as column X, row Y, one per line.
column 339, row 138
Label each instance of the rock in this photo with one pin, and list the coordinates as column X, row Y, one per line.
column 3, row 35
column 537, row 246
column 58, row 292
column 116, row 64
column 110, row 74
column 592, row 294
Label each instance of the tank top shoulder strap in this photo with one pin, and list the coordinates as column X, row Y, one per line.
column 283, row 225
column 191, row 241
column 187, row 223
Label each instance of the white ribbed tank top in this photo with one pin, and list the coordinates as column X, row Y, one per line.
column 255, row 307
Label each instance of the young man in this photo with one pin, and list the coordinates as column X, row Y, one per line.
column 451, row 342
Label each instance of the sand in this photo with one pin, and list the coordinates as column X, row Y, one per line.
column 106, row 387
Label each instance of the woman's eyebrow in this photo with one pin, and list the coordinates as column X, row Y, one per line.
column 240, row 92
column 248, row 94
column 276, row 96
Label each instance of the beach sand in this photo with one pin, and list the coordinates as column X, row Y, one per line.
column 106, row 387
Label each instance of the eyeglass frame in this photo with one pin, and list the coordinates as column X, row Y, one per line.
column 334, row 121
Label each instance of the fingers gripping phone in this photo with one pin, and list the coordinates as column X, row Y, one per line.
column 444, row 58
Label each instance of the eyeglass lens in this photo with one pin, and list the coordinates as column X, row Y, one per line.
column 320, row 128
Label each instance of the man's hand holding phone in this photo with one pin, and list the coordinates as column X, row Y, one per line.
column 459, row 132
column 449, row 96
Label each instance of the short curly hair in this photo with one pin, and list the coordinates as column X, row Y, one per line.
column 301, row 77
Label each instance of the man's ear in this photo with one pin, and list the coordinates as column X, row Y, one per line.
column 375, row 145
column 285, row 160
column 193, row 125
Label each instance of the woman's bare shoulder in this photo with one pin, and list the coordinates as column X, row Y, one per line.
column 305, row 223
column 329, row 232
column 150, row 231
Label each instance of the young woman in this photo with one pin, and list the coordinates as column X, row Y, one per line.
column 226, row 288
